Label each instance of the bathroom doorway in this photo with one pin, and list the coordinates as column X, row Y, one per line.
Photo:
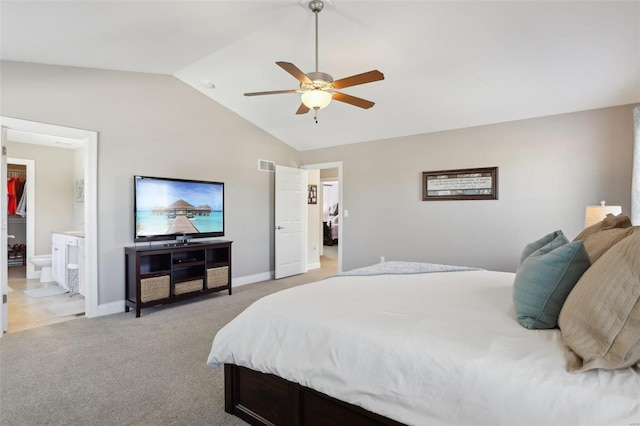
column 35, row 298
column 15, row 129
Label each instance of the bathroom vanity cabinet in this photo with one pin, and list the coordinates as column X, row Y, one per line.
column 162, row 274
column 59, row 258
column 67, row 248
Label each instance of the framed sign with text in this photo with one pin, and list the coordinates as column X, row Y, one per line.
column 463, row 184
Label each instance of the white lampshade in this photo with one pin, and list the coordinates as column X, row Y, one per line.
column 594, row 214
column 316, row 99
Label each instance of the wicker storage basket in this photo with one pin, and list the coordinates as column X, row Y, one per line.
column 217, row 277
column 154, row 288
column 187, row 286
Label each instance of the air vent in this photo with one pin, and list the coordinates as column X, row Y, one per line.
column 266, row 166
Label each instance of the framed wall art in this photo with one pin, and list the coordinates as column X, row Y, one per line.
column 461, row 184
column 79, row 191
column 312, row 194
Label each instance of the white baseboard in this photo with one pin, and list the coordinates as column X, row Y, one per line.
column 316, row 265
column 250, row 279
column 111, row 308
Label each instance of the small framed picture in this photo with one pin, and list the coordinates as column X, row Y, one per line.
column 80, row 191
column 312, row 194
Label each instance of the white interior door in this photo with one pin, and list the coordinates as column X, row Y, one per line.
column 4, row 286
column 290, row 221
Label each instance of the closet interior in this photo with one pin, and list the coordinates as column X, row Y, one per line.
column 17, row 214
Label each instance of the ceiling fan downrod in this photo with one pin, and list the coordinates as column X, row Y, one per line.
column 316, row 6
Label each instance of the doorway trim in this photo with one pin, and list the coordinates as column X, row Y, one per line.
column 335, row 165
column 90, row 197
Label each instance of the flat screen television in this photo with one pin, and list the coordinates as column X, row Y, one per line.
column 179, row 209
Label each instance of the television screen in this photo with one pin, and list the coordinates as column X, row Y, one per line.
column 168, row 208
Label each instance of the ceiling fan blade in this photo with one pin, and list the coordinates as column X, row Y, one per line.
column 365, row 77
column 359, row 102
column 303, row 109
column 294, row 71
column 274, row 92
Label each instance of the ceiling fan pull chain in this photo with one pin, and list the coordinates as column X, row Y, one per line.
column 315, row 115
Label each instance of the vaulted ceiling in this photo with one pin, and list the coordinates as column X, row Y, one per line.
column 447, row 64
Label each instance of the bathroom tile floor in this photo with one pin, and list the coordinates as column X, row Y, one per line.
column 27, row 312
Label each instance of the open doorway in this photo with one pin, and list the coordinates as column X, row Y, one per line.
column 36, row 209
column 329, row 223
column 330, row 213
column 13, row 129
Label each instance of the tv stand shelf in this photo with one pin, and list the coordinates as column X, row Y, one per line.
column 171, row 272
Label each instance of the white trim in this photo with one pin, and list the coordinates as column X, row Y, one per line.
column 316, row 265
column 90, row 202
column 91, row 224
column 4, row 286
column 111, row 308
column 335, row 165
column 250, row 279
column 635, row 176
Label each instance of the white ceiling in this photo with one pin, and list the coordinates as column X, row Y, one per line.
column 447, row 64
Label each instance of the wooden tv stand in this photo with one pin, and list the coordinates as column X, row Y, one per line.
column 167, row 273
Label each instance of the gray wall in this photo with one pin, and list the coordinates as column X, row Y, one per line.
column 55, row 180
column 550, row 168
column 154, row 125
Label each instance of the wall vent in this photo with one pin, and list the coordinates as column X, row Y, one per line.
column 266, row 166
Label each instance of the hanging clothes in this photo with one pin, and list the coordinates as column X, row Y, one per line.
column 22, row 204
column 12, row 202
column 19, row 189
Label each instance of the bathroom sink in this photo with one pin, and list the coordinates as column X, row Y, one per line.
column 74, row 233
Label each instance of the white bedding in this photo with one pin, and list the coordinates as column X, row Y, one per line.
column 436, row 348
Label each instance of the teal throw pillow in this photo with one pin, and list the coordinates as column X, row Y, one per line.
column 545, row 279
column 557, row 238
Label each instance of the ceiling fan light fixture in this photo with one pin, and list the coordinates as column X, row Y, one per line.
column 316, row 99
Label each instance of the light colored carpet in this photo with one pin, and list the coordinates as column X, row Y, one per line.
column 64, row 309
column 122, row 370
column 51, row 290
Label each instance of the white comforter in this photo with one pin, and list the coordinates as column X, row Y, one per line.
column 425, row 349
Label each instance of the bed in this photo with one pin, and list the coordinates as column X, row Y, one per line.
column 430, row 345
column 331, row 231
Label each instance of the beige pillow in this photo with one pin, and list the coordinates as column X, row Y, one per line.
column 603, row 235
column 610, row 221
column 600, row 319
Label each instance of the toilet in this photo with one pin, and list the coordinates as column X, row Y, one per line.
column 43, row 261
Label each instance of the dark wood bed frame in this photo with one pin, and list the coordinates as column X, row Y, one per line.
column 265, row 399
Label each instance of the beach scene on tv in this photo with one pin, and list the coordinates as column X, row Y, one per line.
column 167, row 207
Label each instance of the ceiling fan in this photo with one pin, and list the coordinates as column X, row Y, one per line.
column 319, row 88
